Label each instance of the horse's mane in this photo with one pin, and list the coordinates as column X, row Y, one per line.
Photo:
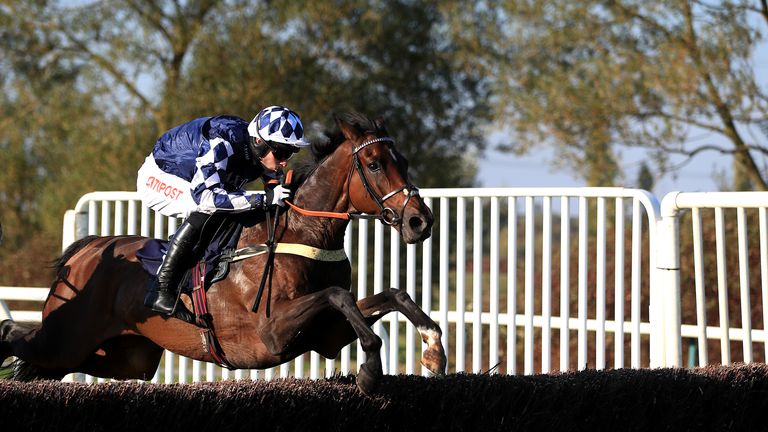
column 323, row 148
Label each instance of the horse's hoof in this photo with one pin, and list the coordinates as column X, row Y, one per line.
column 433, row 358
column 368, row 380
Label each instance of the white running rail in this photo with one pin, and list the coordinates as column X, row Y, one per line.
column 477, row 277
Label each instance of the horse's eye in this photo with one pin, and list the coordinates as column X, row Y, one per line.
column 374, row 166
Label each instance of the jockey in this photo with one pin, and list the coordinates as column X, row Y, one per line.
column 200, row 168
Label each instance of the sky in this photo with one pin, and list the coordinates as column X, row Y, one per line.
column 699, row 175
column 536, row 169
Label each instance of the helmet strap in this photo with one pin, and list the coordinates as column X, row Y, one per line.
column 258, row 148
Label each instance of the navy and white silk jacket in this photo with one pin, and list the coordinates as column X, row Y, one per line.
column 212, row 153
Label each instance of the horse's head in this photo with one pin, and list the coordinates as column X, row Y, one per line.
column 378, row 181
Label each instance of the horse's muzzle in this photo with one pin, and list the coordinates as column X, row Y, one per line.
column 416, row 225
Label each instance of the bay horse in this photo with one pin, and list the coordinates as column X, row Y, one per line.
column 95, row 322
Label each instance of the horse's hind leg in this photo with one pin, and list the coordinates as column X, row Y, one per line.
column 57, row 344
column 9, row 331
column 122, row 357
column 21, row 369
column 390, row 300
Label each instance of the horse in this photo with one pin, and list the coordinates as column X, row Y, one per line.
column 95, row 322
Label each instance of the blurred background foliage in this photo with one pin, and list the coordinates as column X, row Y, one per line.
column 87, row 87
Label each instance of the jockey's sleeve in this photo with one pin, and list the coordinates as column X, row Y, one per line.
column 207, row 189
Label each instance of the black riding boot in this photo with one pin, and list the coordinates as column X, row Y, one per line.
column 181, row 251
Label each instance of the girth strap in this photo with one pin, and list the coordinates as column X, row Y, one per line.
column 203, row 318
column 310, row 252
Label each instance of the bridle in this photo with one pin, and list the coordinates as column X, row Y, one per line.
column 386, row 215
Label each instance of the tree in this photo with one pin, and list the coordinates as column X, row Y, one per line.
column 637, row 73
column 137, row 49
column 392, row 59
column 87, row 90
column 37, row 138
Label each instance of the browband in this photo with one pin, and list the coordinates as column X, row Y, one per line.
column 373, row 141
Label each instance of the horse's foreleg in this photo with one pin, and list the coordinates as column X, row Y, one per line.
column 390, row 300
column 370, row 372
column 373, row 309
column 294, row 316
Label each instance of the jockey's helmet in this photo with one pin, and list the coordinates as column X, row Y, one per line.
column 278, row 124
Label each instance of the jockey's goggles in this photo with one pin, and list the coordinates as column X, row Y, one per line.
column 281, row 152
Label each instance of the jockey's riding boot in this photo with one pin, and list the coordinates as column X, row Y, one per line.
column 181, row 251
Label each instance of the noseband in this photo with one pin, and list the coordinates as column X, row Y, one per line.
column 387, row 215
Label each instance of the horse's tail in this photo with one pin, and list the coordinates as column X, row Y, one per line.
column 72, row 249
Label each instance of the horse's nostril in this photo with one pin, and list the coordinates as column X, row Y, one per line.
column 415, row 222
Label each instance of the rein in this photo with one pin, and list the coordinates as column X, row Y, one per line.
column 333, row 215
column 271, row 247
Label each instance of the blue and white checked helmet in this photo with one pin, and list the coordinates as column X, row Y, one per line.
column 278, row 124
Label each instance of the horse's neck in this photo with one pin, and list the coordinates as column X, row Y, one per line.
column 324, row 190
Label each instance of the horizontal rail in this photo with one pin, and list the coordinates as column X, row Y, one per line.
column 486, row 318
column 27, row 316
column 596, row 192
column 692, row 331
column 687, row 200
column 24, row 293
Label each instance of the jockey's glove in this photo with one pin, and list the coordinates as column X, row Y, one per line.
column 275, row 196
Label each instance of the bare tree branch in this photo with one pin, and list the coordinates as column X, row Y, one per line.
column 688, row 120
column 151, row 18
column 712, row 147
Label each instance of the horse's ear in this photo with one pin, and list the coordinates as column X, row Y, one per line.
column 350, row 132
column 381, row 125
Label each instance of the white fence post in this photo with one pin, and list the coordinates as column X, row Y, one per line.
column 68, row 233
column 665, row 298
